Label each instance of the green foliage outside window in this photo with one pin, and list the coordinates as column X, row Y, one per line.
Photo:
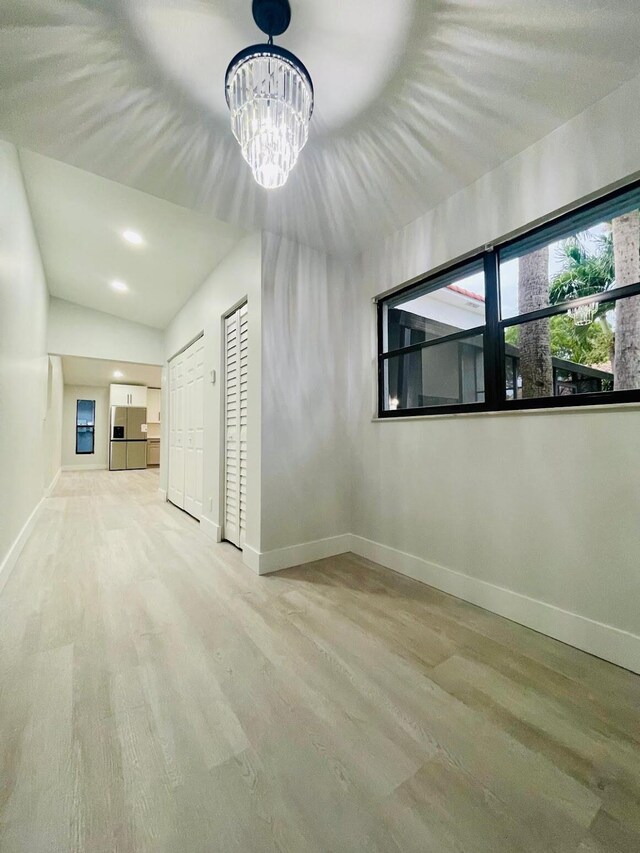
column 585, row 272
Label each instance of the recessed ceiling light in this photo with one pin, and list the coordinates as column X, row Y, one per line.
column 133, row 237
column 119, row 285
column 117, row 374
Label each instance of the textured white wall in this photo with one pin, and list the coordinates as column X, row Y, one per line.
column 236, row 278
column 306, row 484
column 23, row 357
column 542, row 504
column 100, row 457
column 76, row 330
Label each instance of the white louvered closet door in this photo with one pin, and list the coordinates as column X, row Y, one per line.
column 235, row 450
column 244, row 379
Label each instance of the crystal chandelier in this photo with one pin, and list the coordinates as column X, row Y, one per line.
column 270, row 97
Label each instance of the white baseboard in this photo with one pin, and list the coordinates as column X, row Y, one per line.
column 51, row 487
column 251, row 558
column 266, row 562
column 163, row 494
column 11, row 557
column 85, row 467
column 604, row 641
column 212, row 530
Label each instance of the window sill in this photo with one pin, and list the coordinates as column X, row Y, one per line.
column 510, row 413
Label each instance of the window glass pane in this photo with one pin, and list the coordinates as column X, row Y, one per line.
column 85, row 413
column 566, row 355
column 512, row 375
column 453, row 304
column 84, row 440
column 439, row 375
column 578, row 264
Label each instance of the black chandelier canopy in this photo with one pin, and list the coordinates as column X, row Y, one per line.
column 272, row 16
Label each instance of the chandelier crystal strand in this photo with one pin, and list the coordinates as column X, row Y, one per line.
column 583, row 315
column 271, row 100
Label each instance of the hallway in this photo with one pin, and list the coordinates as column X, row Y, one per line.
column 155, row 695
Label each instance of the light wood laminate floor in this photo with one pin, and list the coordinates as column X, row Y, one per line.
column 155, row 695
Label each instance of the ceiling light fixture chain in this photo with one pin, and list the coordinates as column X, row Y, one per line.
column 270, row 96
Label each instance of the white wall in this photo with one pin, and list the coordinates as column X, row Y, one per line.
column 24, row 463
column 76, row 330
column 306, row 483
column 533, row 515
column 52, row 427
column 100, row 457
column 299, row 486
column 235, row 279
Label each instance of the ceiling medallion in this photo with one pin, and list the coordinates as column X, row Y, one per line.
column 270, row 96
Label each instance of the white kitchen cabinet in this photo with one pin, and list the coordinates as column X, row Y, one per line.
column 128, row 395
column 119, row 395
column 154, row 399
column 138, row 396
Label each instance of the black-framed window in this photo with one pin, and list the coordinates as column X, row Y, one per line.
column 85, row 426
column 551, row 318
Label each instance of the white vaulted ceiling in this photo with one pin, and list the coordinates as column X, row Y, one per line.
column 80, row 219
column 414, row 99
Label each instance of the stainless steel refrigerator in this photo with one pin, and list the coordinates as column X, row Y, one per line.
column 128, row 445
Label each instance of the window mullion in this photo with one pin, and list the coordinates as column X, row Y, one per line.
column 494, row 378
